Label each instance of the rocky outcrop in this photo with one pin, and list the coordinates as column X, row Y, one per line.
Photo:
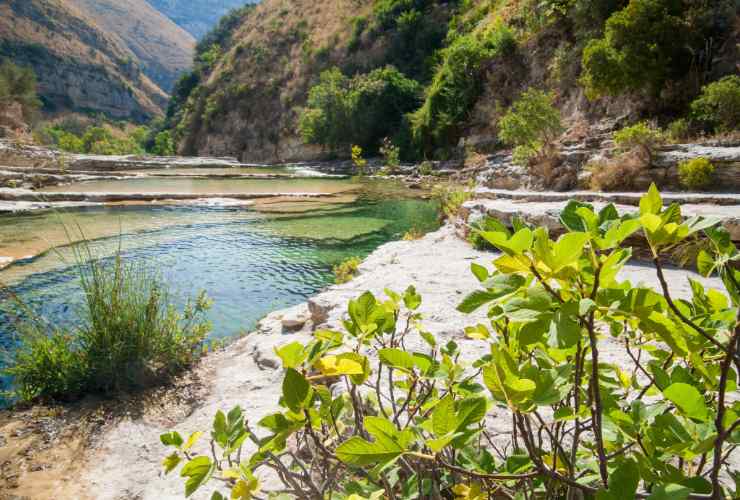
column 197, row 16
column 571, row 169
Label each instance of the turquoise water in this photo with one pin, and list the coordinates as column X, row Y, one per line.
column 249, row 262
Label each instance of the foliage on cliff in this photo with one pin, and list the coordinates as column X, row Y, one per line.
column 471, row 59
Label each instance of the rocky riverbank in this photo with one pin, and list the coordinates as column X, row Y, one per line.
column 121, row 455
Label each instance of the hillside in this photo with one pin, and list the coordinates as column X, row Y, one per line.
column 164, row 49
column 257, row 95
column 79, row 65
column 196, row 16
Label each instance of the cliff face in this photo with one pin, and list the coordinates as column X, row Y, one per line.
column 79, row 66
column 164, row 49
column 196, row 16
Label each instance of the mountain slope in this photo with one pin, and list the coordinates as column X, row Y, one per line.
column 164, row 49
column 79, row 66
column 196, row 16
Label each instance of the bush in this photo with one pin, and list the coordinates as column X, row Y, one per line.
column 164, row 144
column 531, row 125
column 617, row 174
column 346, row 270
column 451, row 198
column 679, row 130
column 456, row 86
column 18, row 84
column 696, row 173
column 362, row 110
column 719, row 104
column 129, row 334
column 642, row 137
column 394, row 421
column 413, row 234
column 99, row 139
column 644, row 45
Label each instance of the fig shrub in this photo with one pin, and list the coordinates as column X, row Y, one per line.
column 385, row 409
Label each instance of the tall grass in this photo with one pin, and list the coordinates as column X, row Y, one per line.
column 129, row 335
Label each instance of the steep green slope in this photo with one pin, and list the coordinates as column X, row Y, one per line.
column 258, row 91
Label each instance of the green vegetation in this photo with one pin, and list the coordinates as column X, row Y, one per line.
column 485, row 224
column 360, row 110
column 346, row 270
column 661, row 425
column 642, row 136
column 650, row 43
column 718, row 106
column 129, row 335
column 358, row 161
column 18, row 84
column 696, row 173
column 457, row 84
column 97, row 138
column 532, row 125
column 391, row 157
column 451, row 198
column 164, row 145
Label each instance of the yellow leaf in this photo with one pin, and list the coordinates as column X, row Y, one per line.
column 231, row 474
column 191, row 440
column 332, row 365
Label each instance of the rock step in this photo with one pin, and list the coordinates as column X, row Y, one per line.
column 546, row 213
column 623, row 198
column 32, row 196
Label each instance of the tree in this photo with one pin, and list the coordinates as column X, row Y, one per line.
column 719, row 104
column 531, row 125
column 644, row 45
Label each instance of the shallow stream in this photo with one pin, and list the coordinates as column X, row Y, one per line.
column 249, row 259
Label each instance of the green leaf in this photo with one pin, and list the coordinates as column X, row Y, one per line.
column 623, row 481
column 475, row 300
column 357, row 451
column 397, row 359
column 171, row 438
column 670, row 492
column 479, row 272
column 688, row 399
column 198, row 471
column 651, row 203
column 520, row 241
column 444, row 420
column 170, row 462
column 292, row 354
column 437, row 445
column 568, row 249
column 705, row 263
column 411, row 299
column 564, row 332
column 570, row 218
column 496, row 287
column 296, row 390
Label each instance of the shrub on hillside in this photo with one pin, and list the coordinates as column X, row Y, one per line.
column 696, row 174
column 456, row 86
column 719, row 104
column 642, row 137
column 531, row 125
column 164, row 144
column 451, row 198
column 360, row 110
column 395, row 411
column 644, row 45
column 129, row 334
column 18, row 84
column 679, row 130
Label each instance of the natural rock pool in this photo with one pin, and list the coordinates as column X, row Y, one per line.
column 249, row 259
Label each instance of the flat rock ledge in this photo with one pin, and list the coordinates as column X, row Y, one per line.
column 543, row 208
column 126, row 461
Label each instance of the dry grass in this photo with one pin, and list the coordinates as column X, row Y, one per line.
column 619, row 173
